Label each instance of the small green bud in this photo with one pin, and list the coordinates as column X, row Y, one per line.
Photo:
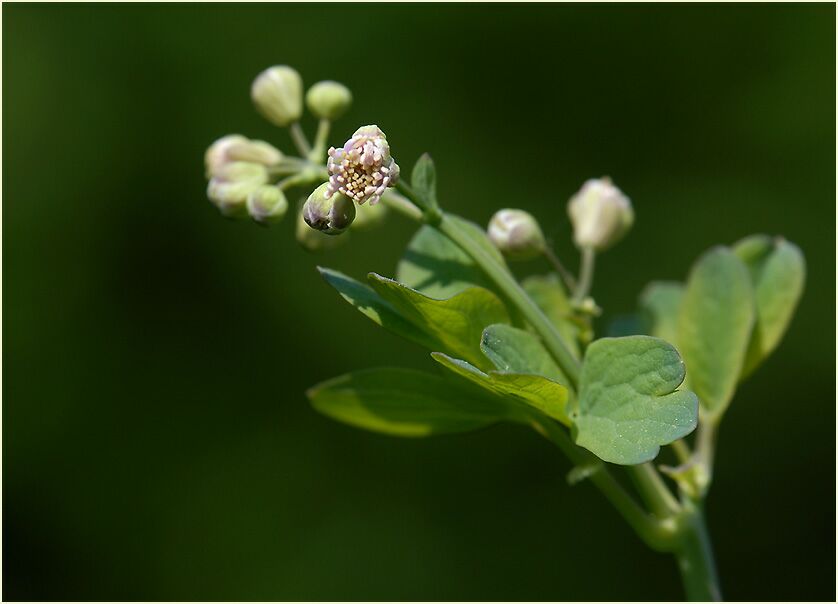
column 369, row 216
column 235, row 147
column 517, row 234
column 267, row 204
column 315, row 241
column 229, row 189
column 601, row 215
column 277, row 93
column 329, row 214
column 328, row 100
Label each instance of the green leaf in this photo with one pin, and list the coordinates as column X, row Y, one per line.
column 401, row 402
column 373, row 306
column 714, row 326
column 628, row 403
column 659, row 305
column 778, row 275
column 437, row 267
column 514, row 350
column 533, row 391
column 423, row 180
column 550, row 296
column 456, row 323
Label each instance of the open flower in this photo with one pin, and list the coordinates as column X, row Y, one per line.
column 363, row 169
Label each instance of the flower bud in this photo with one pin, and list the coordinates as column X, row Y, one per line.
column 363, row 168
column 517, row 234
column 329, row 214
column 328, row 100
column 267, row 204
column 601, row 214
column 277, row 93
column 235, row 147
column 229, row 189
column 315, row 241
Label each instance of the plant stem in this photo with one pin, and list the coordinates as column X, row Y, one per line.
column 401, row 205
column 317, row 153
column 682, row 450
column 586, row 274
column 299, row 138
column 655, row 492
column 569, row 280
column 695, row 557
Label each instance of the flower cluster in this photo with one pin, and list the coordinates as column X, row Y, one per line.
column 363, row 168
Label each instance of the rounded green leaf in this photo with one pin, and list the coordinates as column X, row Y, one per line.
column 715, row 320
column 628, row 403
column 778, row 274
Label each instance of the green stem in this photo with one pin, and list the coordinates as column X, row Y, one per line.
column 682, row 451
column 402, row 206
column 299, row 138
column 655, row 492
column 320, row 140
column 586, row 274
column 695, row 558
column 567, row 277
column 510, row 288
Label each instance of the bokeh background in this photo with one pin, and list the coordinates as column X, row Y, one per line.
column 156, row 440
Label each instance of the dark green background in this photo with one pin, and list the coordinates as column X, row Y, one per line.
column 156, row 440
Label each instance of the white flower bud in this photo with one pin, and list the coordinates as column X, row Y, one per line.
column 235, row 147
column 277, row 93
column 329, row 214
column 601, row 214
column 328, row 100
column 363, row 168
column 267, row 204
column 229, row 189
column 517, row 234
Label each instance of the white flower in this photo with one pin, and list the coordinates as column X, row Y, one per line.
column 601, row 214
column 516, row 233
column 363, row 169
column 277, row 93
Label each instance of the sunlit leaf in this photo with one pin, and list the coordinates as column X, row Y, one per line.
column 628, row 403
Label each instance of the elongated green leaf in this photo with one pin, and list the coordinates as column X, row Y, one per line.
column 714, row 326
column 659, row 304
column 628, row 403
column 457, row 323
column 778, row 275
column 401, row 402
column 366, row 300
column 534, row 391
column 423, row 180
column 550, row 296
column 438, row 268
column 514, row 350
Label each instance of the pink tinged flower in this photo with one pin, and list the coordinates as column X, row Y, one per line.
column 363, row 169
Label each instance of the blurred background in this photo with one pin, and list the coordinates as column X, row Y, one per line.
column 157, row 443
